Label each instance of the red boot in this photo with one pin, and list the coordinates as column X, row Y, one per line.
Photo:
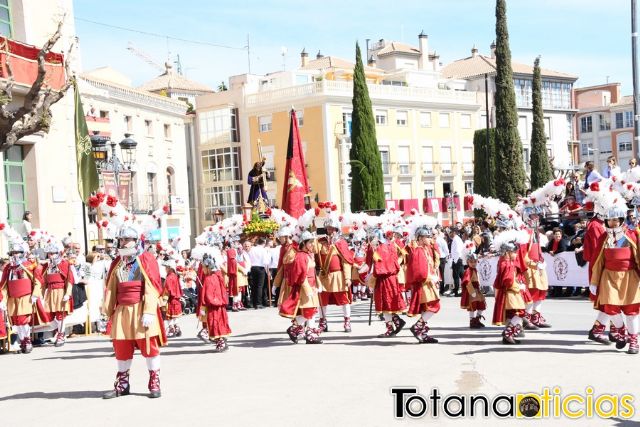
column 633, row 344
column 389, row 332
column 154, row 384
column 621, row 338
column 347, row 324
column 597, row 334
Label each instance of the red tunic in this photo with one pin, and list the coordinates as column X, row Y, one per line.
column 593, row 240
column 214, row 298
column 465, row 299
column 232, row 271
column 52, row 282
column 506, row 275
column 301, row 301
column 387, row 294
column 336, row 264
column 422, row 280
column 173, row 290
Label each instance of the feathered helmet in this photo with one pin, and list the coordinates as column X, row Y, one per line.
column 305, row 236
column 507, row 241
column 423, row 232
column 285, row 231
column 54, row 247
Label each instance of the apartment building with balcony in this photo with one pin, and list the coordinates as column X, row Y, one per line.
column 557, row 102
column 424, row 127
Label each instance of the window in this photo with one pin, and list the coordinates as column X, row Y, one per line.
column 547, row 127
column 556, row 94
column 467, row 160
column 221, row 164
column 151, row 188
column 346, row 123
column 468, row 187
column 619, row 121
column 525, row 155
column 429, row 190
column 384, row 156
column 404, row 164
column 264, row 123
column 427, row 160
column 523, row 92
column 628, row 119
column 148, row 125
column 625, row 142
column 300, row 116
column 405, row 190
column 167, row 131
column 381, row 117
column 226, row 198
column 586, row 149
column 605, row 122
column 401, row 118
column 387, row 191
column 170, row 182
column 443, row 120
column 445, row 160
column 604, row 145
column 128, row 123
column 104, row 114
column 585, row 124
column 465, row 121
column 425, row 119
column 15, row 187
column 523, row 128
column 5, row 19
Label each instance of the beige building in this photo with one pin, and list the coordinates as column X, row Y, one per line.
column 424, row 128
column 117, row 111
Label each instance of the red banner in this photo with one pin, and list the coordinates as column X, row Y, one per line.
column 123, row 189
column 296, row 185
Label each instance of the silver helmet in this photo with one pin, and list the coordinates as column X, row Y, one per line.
column 128, row 232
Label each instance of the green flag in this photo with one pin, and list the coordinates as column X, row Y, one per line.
column 88, row 181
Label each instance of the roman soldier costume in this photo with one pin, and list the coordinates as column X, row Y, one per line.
column 336, row 261
column 212, row 301
column 472, row 300
column 387, row 295
column 172, row 292
column 133, row 288
column 58, row 285
column 423, row 279
column 21, row 289
column 302, row 300
column 615, row 278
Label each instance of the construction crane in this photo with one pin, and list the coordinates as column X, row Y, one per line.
column 146, row 58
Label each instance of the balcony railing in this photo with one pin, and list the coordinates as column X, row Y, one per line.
column 345, row 89
column 146, row 203
column 467, row 168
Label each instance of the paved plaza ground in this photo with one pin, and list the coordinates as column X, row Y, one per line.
column 266, row 380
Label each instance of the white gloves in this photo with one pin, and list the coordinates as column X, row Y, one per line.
column 202, row 313
column 542, row 265
column 147, row 319
column 273, row 291
column 473, row 295
column 65, row 298
column 363, row 269
column 593, row 289
column 3, row 306
column 523, row 286
column 34, row 299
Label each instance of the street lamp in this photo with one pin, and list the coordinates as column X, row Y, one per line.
column 128, row 150
column 99, row 149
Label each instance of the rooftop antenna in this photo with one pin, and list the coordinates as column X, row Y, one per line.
column 178, row 64
column 283, row 52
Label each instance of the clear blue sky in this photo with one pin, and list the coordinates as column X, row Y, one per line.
column 588, row 38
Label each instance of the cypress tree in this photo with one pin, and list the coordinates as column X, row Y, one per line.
column 367, row 189
column 484, row 165
column 510, row 171
column 540, row 166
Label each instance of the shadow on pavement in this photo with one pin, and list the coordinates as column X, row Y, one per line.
column 624, row 423
column 89, row 394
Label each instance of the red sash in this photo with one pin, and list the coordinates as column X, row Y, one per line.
column 130, row 293
column 618, row 259
column 19, row 288
column 55, row 281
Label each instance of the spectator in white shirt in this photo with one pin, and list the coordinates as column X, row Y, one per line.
column 457, row 268
column 444, row 254
column 274, row 250
column 260, row 261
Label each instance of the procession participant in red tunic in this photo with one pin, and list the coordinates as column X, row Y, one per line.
column 288, row 251
column 302, row 301
column 535, row 275
column 387, row 296
column 359, row 269
column 230, row 270
column 509, row 288
column 472, row 299
column 21, row 288
column 172, row 292
column 398, row 240
column 423, row 279
column 592, row 243
column 336, row 261
column 58, row 285
column 133, row 288
column 213, row 300
column 615, row 278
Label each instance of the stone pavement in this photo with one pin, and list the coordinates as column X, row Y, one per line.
column 266, row 380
